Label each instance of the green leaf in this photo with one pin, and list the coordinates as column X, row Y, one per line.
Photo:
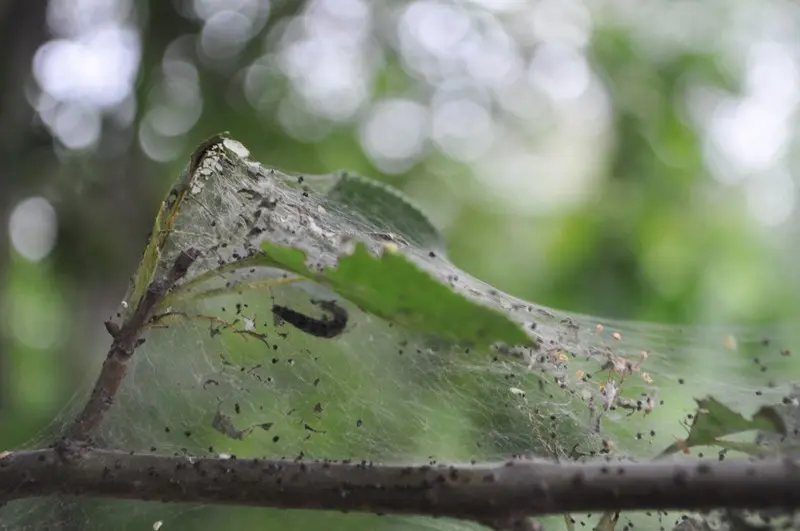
column 395, row 289
column 788, row 443
column 748, row 448
column 385, row 207
column 714, row 420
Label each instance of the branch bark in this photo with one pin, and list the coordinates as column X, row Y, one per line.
column 486, row 493
column 126, row 340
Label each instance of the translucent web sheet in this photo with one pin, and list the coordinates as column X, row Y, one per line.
column 219, row 374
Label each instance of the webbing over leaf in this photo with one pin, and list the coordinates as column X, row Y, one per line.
column 407, row 375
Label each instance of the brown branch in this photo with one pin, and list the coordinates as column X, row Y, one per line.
column 126, row 340
column 490, row 493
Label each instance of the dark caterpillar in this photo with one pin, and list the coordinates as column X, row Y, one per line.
column 326, row 327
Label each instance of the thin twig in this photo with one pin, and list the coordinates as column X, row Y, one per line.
column 493, row 494
column 126, row 340
column 238, row 289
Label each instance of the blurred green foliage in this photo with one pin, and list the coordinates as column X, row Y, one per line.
column 654, row 226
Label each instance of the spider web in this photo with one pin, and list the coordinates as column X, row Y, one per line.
column 219, row 375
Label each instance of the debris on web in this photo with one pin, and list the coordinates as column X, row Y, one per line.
column 304, row 331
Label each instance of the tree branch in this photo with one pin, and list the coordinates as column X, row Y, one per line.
column 126, row 340
column 500, row 492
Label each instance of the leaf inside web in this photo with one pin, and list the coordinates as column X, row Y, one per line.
column 715, row 420
column 378, row 209
column 324, row 320
column 392, row 287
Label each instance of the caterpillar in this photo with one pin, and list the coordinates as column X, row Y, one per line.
column 329, row 326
